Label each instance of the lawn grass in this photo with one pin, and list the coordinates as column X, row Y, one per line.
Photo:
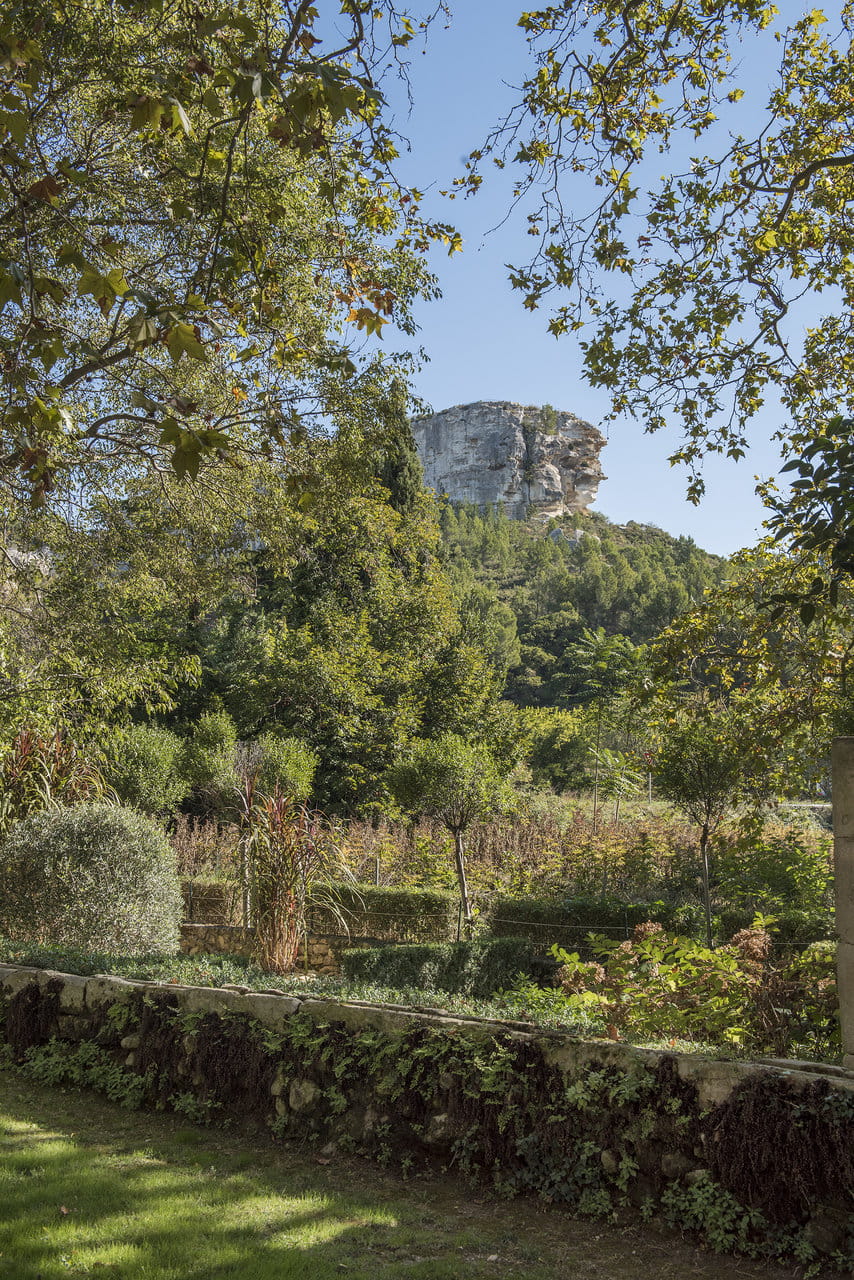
column 87, row 1189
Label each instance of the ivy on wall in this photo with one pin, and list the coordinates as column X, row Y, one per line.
column 768, row 1172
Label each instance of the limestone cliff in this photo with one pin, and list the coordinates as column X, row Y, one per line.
column 519, row 456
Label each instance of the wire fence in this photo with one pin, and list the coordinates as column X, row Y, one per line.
column 221, row 904
column 375, row 926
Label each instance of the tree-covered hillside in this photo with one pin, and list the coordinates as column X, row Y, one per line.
column 555, row 581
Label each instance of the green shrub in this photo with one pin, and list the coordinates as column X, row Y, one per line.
column 207, row 756
column 93, row 876
column 559, row 748
column 787, row 865
column 476, row 968
column 396, row 915
column 657, row 986
column 790, row 927
column 143, row 768
column 288, row 764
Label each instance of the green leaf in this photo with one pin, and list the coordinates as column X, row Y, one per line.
column 183, row 339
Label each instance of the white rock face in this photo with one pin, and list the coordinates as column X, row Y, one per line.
column 519, row 456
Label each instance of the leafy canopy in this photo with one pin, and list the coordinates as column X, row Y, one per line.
column 197, row 215
column 456, row 781
column 691, row 283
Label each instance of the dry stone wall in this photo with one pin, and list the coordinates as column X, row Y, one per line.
column 320, row 952
column 752, row 1156
column 520, row 457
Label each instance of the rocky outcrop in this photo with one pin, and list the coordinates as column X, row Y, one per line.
column 520, row 457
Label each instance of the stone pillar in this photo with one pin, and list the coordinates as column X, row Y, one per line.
column 843, row 866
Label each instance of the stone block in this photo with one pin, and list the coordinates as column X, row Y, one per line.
column 72, row 997
column 102, row 989
column 714, row 1080
column 374, row 1120
column 845, row 988
column 14, row 978
column 438, row 1132
column 209, row 1000
column 827, row 1232
column 71, row 1027
column 842, row 764
column 351, row 1124
column 641, row 1190
column 675, row 1165
column 272, row 1010
column 303, row 1095
column 843, row 835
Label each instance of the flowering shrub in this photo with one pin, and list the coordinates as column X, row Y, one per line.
column 657, row 987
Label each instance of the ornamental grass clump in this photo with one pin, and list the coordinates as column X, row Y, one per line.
column 95, row 876
column 45, row 771
column 287, row 851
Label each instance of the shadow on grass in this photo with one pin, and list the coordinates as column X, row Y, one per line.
column 89, row 1190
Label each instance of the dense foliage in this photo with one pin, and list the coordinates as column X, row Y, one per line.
column 478, row 968
column 709, row 210
column 142, row 768
column 197, row 203
column 655, row 986
column 582, row 574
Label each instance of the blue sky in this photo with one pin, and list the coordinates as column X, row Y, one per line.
column 481, row 342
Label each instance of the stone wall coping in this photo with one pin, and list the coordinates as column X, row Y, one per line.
column 714, row 1077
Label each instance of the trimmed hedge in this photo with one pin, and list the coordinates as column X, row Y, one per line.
column 569, row 921
column 477, row 968
column 432, row 915
column 395, row 915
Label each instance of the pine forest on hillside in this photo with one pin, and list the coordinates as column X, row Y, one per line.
column 580, row 573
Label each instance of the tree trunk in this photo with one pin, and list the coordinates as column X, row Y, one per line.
column 459, row 856
column 707, row 895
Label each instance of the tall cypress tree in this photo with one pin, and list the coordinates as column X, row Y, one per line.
column 399, row 467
